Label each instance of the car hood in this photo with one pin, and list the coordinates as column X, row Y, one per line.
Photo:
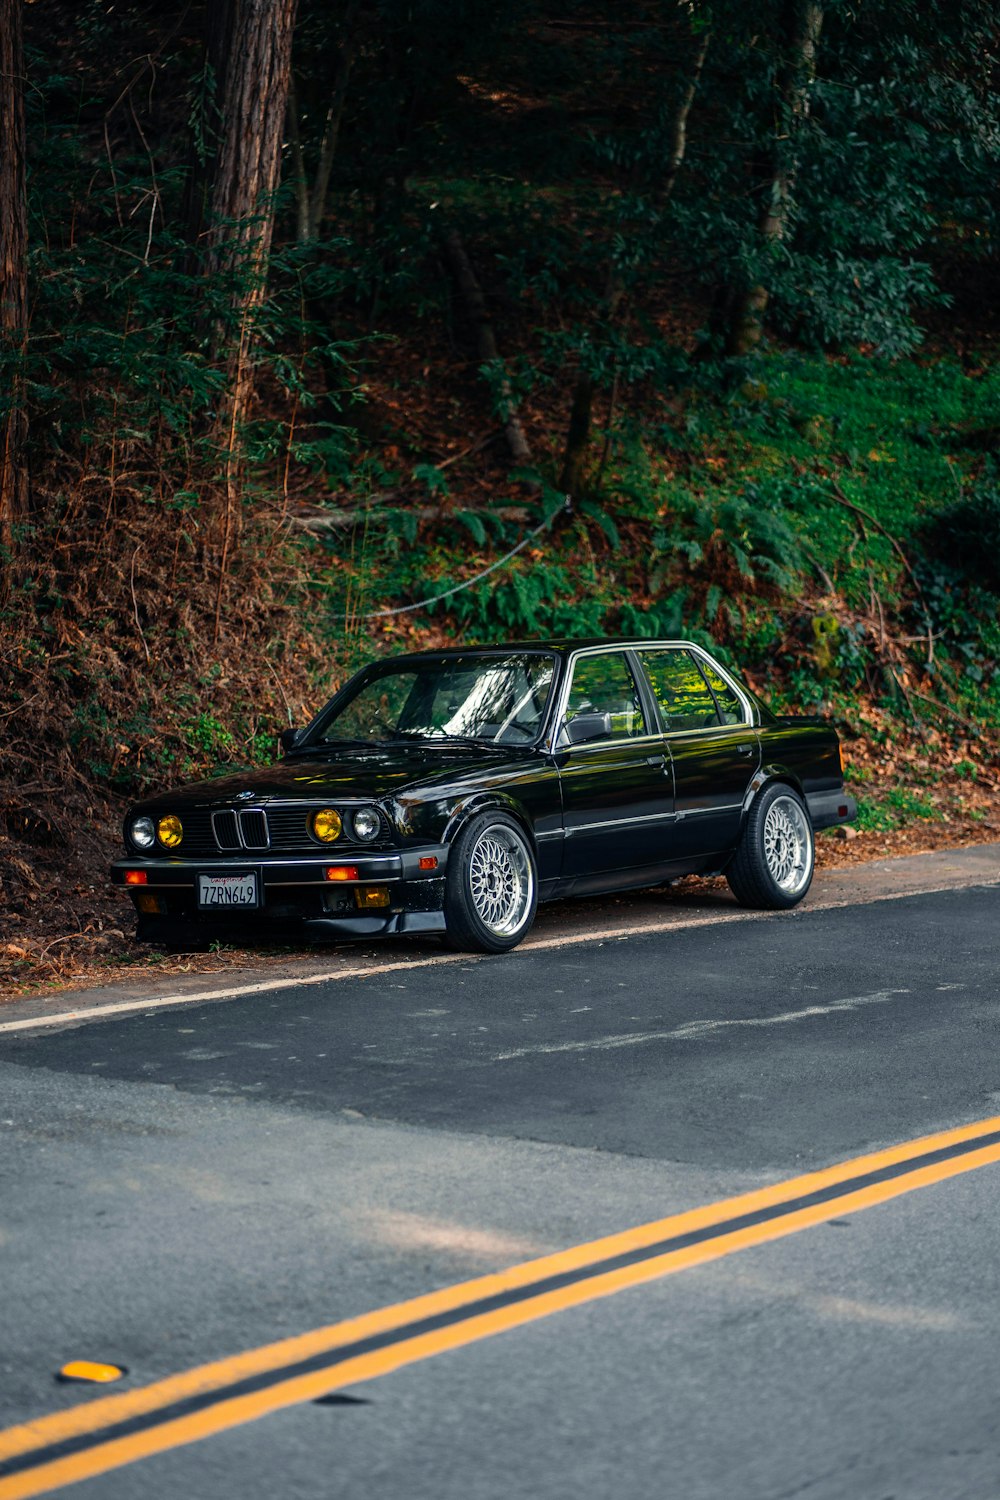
column 366, row 772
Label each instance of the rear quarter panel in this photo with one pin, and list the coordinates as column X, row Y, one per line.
column 804, row 750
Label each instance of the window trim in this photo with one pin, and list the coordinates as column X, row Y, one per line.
column 625, row 650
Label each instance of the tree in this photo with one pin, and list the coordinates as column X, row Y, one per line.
column 803, row 19
column 206, row 120
column 257, row 75
column 13, row 273
column 668, row 151
column 257, row 70
column 311, row 202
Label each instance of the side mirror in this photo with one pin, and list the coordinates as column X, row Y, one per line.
column 290, row 738
column 585, row 727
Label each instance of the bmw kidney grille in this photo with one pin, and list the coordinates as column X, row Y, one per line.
column 241, row 830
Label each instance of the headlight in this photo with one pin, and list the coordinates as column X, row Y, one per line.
column 170, row 831
column 326, row 825
column 365, row 823
column 142, row 833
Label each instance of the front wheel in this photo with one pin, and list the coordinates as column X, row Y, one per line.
column 492, row 886
column 773, row 865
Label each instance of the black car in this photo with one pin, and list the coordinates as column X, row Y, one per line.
column 451, row 791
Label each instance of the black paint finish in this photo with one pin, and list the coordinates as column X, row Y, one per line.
column 604, row 815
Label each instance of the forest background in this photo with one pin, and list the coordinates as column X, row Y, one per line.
column 309, row 312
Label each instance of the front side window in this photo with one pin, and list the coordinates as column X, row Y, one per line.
column 605, row 685
column 683, row 695
column 501, row 699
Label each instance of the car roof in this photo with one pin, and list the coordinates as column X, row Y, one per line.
column 560, row 646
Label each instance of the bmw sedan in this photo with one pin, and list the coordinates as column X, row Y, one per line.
column 451, row 791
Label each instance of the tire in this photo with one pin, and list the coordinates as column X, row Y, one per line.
column 773, row 865
column 491, row 890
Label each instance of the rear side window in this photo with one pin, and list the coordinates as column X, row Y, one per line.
column 730, row 706
column 680, row 689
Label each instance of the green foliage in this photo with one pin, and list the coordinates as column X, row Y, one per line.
column 901, row 132
column 964, row 535
column 899, row 806
column 208, row 736
column 725, row 545
column 435, row 480
column 710, row 511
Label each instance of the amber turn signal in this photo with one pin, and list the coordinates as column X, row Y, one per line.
column 136, row 877
column 326, row 825
column 428, row 862
column 341, row 872
column 368, row 896
column 843, row 768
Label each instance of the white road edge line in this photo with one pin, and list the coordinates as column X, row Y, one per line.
column 564, row 940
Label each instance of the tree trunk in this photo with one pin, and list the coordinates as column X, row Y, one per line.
column 486, row 344
column 257, row 73
column 13, row 276
column 574, row 465
column 805, row 18
column 678, row 142
column 220, row 20
column 298, row 166
column 331, row 128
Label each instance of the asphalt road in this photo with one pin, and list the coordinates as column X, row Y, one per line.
column 178, row 1186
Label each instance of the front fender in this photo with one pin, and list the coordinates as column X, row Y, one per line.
column 480, row 802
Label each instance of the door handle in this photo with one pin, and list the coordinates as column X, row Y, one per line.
column 745, row 749
column 655, row 760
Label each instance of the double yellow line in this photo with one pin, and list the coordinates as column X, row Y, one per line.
column 66, row 1446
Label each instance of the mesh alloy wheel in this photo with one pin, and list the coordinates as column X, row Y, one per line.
column 500, row 880
column 491, row 887
column 788, row 845
column 772, row 867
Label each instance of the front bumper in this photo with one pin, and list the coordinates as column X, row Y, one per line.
column 295, row 890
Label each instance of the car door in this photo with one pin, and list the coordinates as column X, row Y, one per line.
column 617, row 788
column 713, row 745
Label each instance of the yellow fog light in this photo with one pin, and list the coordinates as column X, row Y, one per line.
column 147, row 903
column 326, row 825
column 368, row 896
column 170, row 831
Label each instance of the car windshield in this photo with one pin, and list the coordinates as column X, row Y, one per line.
column 500, row 699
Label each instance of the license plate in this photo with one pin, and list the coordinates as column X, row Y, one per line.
column 238, row 892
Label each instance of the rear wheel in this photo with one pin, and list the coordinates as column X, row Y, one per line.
column 773, row 865
column 491, row 890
